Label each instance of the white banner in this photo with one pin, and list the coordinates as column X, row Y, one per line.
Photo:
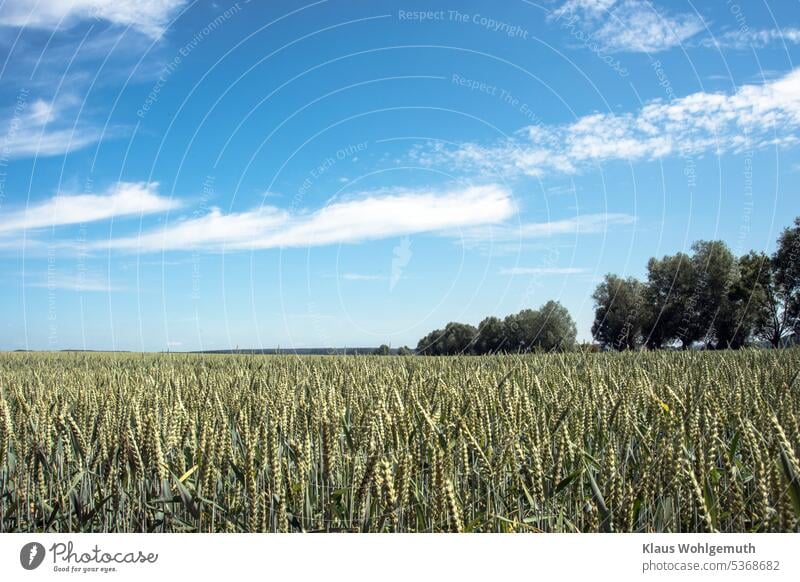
column 403, row 556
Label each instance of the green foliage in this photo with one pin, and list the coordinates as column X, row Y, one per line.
column 785, row 291
column 668, row 300
column 618, row 312
column 455, row 338
column 710, row 297
column 746, row 313
column 549, row 328
column 491, row 336
column 714, row 270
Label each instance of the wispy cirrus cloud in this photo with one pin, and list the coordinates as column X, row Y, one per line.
column 123, row 199
column 46, row 128
column 751, row 117
column 519, row 271
column 366, row 216
column 627, row 25
column 150, row 17
column 475, row 216
column 77, row 282
column 363, row 277
column 507, row 234
column 753, row 39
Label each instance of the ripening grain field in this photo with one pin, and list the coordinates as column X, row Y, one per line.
column 672, row 442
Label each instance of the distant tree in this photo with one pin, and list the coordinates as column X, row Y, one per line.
column 618, row 315
column 710, row 297
column 779, row 284
column 513, row 340
column 548, row 328
column 746, row 311
column 455, row 338
column 459, row 338
column 669, row 305
column 715, row 272
column 557, row 330
column 776, row 323
column 405, row 351
column 430, row 344
column 521, row 330
column 786, row 273
column 491, row 336
column 382, row 350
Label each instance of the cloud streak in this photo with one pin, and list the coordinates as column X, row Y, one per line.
column 124, row 199
column 628, row 25
column 518, row 271
column 150, row 17
column 366, row 216
column 754, row 116
column 505, row 234
column 79, row 283
column 753, row 39
column 45, row 128
column 476, row 216
column 363, row 277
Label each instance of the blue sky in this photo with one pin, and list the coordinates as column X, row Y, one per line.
column 200, row 175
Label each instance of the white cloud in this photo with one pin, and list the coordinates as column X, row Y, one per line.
column 753, row 39
column 212, row 230
column 45, row 128
column 754, row 116
column 363, row 277
column 627, row 25
column 366, row 216
column 594, row 8
column 541, row 271
column 477, row 217
column 80, row 282
column 149, row 17
column 516, row 233
column 124, row 199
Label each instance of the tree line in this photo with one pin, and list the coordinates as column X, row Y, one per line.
column 709, row 298
column 549, row 328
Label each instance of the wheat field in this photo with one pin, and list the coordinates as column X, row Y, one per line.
column 644, row 442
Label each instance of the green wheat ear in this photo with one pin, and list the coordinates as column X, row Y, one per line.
column 646, row 442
